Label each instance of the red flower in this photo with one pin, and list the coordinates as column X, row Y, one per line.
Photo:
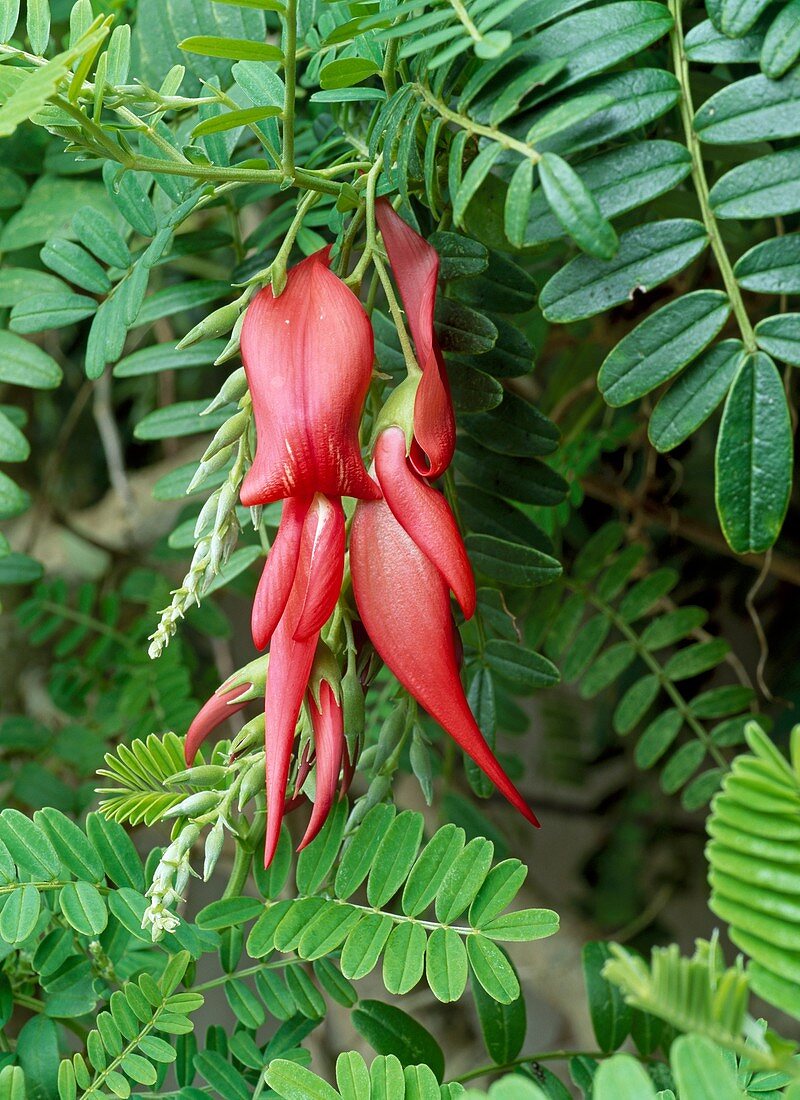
column 328, row 725
column 415, row 265
column 405, row 556
column 308, row 358
column 217, row 710
column 306, row 580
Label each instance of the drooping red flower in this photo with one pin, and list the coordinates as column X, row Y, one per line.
column 212, row 714
column 415, row 265
column 308, row 358
column 327, row 722
column 309, row 571
column 406, row 555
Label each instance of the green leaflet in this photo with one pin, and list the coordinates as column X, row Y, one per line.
column 736, row 17
column 754, row 457
column 762, row 188
column 772, row 267
column 705, row 43
column 661, row 345
column 779, row 336
column 694, row 396
column 620, row 180
column 782, row 42
column 753, row 109
column 647, row 256
column 576, row 208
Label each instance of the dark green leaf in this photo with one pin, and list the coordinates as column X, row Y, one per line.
column 389, row 1030
column 611, row 1016
column 753, row 109
column 754, row 457
column 693, row 397
column 662, row 345
column 576, row 208
column 647, row 255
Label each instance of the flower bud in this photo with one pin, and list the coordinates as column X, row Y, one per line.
column 216, row 324
column 195, row 805
column 213, row 850
column 204, row 775
column 232, row 390
column 209, row 466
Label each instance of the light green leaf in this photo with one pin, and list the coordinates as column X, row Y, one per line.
column 701, row 1072
column 446, row 965
column 492, row 969
column 623, row 1078
column 404, row 958
column 20, row 914
column 84, row 908
column 231, row 119
column 238, row 49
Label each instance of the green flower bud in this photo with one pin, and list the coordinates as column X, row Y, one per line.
column 195, row 805
column 214, row 843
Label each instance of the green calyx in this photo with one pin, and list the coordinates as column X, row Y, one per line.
column 398, row 412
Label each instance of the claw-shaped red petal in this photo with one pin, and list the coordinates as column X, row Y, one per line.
column 216, row 711
column 404, row 604
column 320, row 566
column 277, row 578
column 425, row 515
column 327, row 723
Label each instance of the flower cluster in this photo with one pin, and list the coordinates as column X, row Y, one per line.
column 308, row 355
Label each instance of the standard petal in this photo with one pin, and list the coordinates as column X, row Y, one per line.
column 277, row 577
column 308, row 357
column 404, row 604
column 321, row 565
column 217, row 710
column 327, row 723
column 425, row 515
column 415, row 265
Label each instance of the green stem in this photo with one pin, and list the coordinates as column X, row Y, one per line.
column 700, row 180
column 539, row 1056
column 290, row 74
column 240, row 871
column 389, row 71
column 465, row 20
column 412, row 367
column 464, row 122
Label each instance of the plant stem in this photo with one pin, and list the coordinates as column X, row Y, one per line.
column 240, row 871
column 290, row 74
column 700, row 180
column 389, row 71
column 539, row 1056
column 466, row 123
column 412, row 366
